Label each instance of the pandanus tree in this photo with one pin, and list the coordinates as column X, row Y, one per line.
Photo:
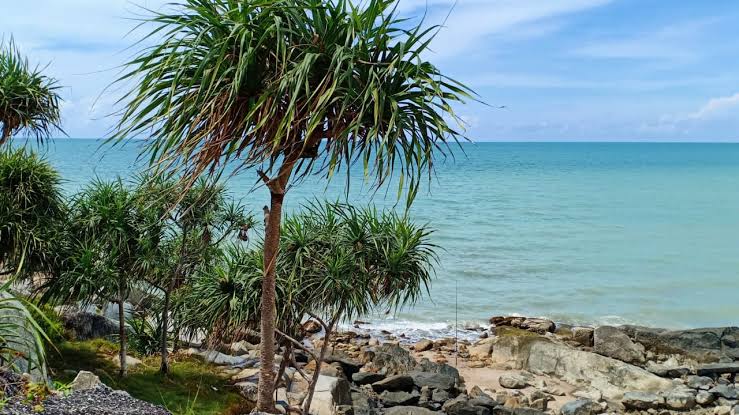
column 104, row 244
column 32, row 212
column 289, row 88
column 336, row 262
column 188, row 229
column 29, row 100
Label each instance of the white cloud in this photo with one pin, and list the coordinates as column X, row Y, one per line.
column 716, row 107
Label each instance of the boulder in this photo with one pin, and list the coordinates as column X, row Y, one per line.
column 704, row 398
column 329, row 394
column 394, row 383
column 246, row 374
column 680, row 400
column 583, row 336
column 399, row 398
column 716, row 369
column 536, row 325
column 423, row 345
column 392, row 359
column 84, row 381
column 513, row 381
column 366, row 378
column 482, row 349
column 699, row 382
column 410, row 410
column 724, row 391
column 348, row 366
column 642, row 400
column 85, row 326
column 581, row 407
column 248, row 390
column 218, row 358
column 242, row 347
column 433, row 380
column 544, row 356
column 312, row 327
column 667, row 371
column 705, row 345
column 612, row 342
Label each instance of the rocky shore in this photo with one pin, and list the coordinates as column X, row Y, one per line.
column 521, row 366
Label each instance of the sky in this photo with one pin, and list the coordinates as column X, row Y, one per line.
column 559, row 70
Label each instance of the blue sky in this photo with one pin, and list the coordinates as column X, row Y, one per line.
column 652, row 70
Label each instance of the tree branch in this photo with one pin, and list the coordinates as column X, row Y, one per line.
column 320, row 320
column 296, row 343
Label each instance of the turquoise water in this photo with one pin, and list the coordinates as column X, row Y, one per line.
column 578, row 232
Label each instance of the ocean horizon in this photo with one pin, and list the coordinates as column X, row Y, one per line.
column 579, row 232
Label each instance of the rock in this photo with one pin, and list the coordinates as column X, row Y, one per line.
column 718, row 369
column 666, row 371
column 130, row 361
column 612, row 342
column 554, row 390
column 722, row 410
column 583, row 336
column 642, row 400
column 394, row 383
column 680, row 400
column 423, row 345
column 218, row 358
column 246, row 374
column 484, row 401
column 348, row 366
column 329, row 394
column 513, row 381
column 699, row 382
column 705, row 345
column 84, row 381
column 96, row 401
column 543, row 356
column 581, row 407
column 704, row 398
column 433, row 380
column 589, row 394
column 724, row 391
column 242, row 347
column 409, row 410
column 398, row 398
column 366, row 378
column 462, row 406
column 539, row 404
column 248, row 390
column 392, row 359
column 312, row 327
column 482, row 349
column 362, row 404
column 439, row 395
column 86, row 326
column 538, row 325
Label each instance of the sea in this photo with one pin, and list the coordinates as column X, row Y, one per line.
column 581, row 233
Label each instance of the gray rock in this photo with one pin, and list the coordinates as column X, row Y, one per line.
column 392, row 359
column 718, row 369
column 248, row 390
column 330, row 393
column 513, row 381
column 583, row 336
column 398, row 398
column 680, row 400
column 642, row 400
column 581, row 407
column 725, row 391
column 362, row 404
column 409, row 410
column 348, row 366
column 366, row 378
column 704, row 345
column 612, row 342
column 704, row 398
column 84, row 381
column 85, row 326
column 543, row 356
column 485, row 401
column 433, row 380
column 423, row 345
column 440, row 395
column 394, row 383
column 722, row 410
column 666, row 371
column 699, row 382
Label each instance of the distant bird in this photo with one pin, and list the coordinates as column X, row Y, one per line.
column 266, row 216
column 501, row 107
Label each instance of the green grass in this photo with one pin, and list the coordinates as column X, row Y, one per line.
column 192, row 387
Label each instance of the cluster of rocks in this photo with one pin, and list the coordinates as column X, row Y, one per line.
column 88, row 396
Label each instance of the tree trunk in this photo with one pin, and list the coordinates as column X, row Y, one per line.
column 5, row 135
column 164, row 367
column 265, row 401
column 317, row 372
column 122, row 337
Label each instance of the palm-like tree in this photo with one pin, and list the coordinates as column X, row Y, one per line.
column 32, row 211
column 290, row 88
column 29, row 100
column 336, row 262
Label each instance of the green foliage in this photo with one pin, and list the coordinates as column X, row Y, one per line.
column 49, row 321
column 144, row 333
column 259, row 83
column 32, row 212
column 29, row 100
column 334, row 260
column 22, row 339
column 192, row 386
